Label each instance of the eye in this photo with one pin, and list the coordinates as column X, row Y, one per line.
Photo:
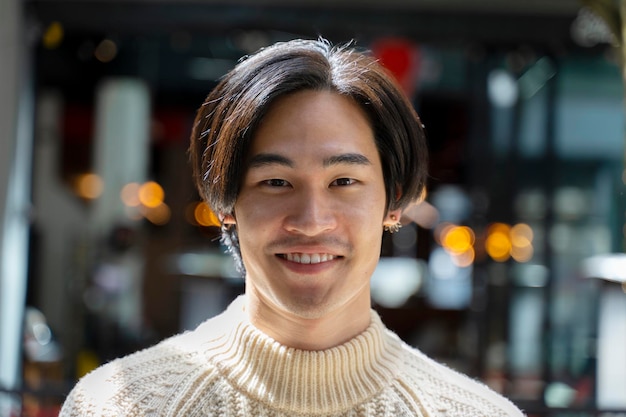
column 276, row 182
column 343, row 181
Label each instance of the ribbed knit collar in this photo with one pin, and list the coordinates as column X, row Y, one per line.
column 300, row 381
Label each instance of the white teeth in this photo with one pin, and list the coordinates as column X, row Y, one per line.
column 309, row 258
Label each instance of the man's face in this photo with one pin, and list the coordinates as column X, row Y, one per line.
column 311, row 207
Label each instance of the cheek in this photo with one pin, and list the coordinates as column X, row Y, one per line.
column 255, row 223
column 369, row 211
column 253, row 212
column 259, row 220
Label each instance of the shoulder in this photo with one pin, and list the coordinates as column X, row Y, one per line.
column 143, row 381
column 448, row 390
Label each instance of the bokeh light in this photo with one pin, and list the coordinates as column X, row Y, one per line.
column 52, row 36
column 106, row 51
column 151, row 194
column 130, row 194
column 522, row 253
column 522, row 242
column 89, row 186
column 521, row 235
column 204, row 216
column 498, row 243
column 458, row 239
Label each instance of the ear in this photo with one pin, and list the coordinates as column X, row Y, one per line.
column 392, row 217
column 227, row 219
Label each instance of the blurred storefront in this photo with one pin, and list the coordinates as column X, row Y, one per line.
column 514, row 272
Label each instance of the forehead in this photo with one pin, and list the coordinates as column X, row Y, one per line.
column 313, row 121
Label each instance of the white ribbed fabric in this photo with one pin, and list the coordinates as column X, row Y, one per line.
column 226, row 367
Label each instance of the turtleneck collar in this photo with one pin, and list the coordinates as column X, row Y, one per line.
column 300, row 381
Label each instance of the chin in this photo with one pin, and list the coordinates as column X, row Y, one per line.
column 309, row 306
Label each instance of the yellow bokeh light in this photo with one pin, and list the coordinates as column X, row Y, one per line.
column 204, row 216
column 498, row 243
column 52, row 36
column 89, row 186
column 499, row 227
column 151, row 194
column 458, row 239
column 130, row 194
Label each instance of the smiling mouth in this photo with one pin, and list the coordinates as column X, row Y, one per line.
column 308, row 258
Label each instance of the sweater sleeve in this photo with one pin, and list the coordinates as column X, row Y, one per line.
column 98, row 393
column 82, row 401
column 135, row 385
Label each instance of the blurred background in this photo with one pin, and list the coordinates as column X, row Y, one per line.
column 513, row 272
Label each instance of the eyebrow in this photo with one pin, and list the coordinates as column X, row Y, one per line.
column 347, row 158
column 263, row 159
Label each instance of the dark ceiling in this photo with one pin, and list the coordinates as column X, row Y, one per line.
column 149, row 33
column 428, row 20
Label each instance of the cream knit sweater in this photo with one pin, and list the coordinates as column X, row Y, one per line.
column 226, row 367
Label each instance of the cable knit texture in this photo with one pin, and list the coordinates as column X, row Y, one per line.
column 226, row 367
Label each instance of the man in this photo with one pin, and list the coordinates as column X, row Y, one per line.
column 307, row 152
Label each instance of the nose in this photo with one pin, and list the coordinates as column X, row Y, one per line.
column 312, row 213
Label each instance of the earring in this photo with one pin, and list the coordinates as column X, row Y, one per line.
column 393, row 228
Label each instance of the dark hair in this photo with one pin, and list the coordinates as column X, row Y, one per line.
column 226, row 122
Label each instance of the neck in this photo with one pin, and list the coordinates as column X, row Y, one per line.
column 301, row 382
column 324, row 331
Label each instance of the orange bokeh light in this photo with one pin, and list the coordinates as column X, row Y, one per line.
column 89, row 186
column 204, row 216
column 458, row 239
column 498, row 242
column 151, row 194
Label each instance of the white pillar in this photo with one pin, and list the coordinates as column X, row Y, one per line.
column 15, row 155
column 121, row 156
column 121, row 147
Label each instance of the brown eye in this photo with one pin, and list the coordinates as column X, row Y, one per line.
column 343, row 181
column 275, row 182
